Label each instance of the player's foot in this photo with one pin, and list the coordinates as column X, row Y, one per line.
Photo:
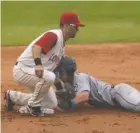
column 8, row 100
column 35, row 111
column 48, row 111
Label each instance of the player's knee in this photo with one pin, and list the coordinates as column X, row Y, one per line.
column 120, row 86
column 50, row 78
column 121, row 89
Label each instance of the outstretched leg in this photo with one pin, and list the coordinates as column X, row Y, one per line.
column 19, row 98
column 40, row 86
column 127, row 97
column 48, row 104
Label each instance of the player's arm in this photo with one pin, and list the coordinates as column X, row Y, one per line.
column 83, row 91
column 36, row 52
column 81, row 98
column 43, row 45
column 72, row 103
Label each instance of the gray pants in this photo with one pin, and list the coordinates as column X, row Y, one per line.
column 127, row 97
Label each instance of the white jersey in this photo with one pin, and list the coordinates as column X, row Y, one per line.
column 99, row 90
column 50, row 60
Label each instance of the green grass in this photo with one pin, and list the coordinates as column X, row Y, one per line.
column 105, row 21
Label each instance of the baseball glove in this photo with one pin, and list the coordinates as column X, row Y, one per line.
column 65, row 95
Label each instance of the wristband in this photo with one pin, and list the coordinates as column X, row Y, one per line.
column 37, row 61
column 73, row 104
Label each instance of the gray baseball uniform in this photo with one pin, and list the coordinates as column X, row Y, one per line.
column 104, row 94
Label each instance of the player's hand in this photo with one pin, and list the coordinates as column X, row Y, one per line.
column 39, row 71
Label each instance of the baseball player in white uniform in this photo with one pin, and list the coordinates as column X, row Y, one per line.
column 96, row 92
column 35, row 68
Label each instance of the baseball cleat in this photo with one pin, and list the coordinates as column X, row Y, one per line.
column 48, row 111
column 35, row 111
column 8, row 100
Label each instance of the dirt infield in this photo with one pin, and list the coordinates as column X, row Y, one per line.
column 113, row 63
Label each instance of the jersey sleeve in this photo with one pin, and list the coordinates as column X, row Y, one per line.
column 47, row 41
column 82, row 84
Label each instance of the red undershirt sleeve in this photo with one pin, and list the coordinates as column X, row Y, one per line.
column 47, row 41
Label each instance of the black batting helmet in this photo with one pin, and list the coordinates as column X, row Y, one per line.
column 68, row 65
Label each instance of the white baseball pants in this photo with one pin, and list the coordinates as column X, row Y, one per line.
column 38, row 86
column 49, row 101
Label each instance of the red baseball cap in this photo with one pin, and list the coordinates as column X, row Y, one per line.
column 71, row 18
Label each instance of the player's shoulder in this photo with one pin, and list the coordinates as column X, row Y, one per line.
column 81, row 75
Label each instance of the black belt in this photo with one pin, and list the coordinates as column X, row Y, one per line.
column 16, row 63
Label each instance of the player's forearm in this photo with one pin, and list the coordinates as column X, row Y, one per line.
column 83, row 97
column 36, row 51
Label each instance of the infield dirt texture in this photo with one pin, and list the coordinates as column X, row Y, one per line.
column 117, row 61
